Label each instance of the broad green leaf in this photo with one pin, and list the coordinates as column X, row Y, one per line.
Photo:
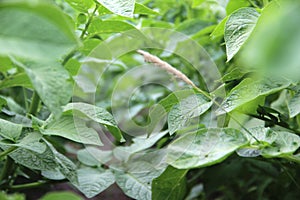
column 238, row 28
column 92, row 181
column 159, row 111
column 294, row 104
column 219, row 31
column 64, row 165
column 49, row 80
column 285, row 144
column 139, row 144
column 82, row 6
column 135, row 180
column 74, row 129
column 96, row 114
column 120, row 7
column 10, row 130
column 92, row 156
column 5, row 63
column 20, row 79
column 141, row 9
column 109, row 26
column 170, row 185
column 274, row 45
column 53, row 174
column 180, row 114
column 265, row 136
column 33, row 160
column 236, row 4
column 61, row 195
column 32, row 142
column 204, row 147
column 249, row 90
column 48, row 38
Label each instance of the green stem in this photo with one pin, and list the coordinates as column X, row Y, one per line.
column 253, row 4
column 89, row 22
column 25, row 99
column 33, row 185
column 34, row 104
column 7, row 151
column 7, row 170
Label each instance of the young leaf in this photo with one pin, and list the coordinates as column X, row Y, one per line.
column 48, row 38
column 96, row 114
column 73, row 129
column 10, row 130
column 236, row 4
column 92, row 181
column 238, row 28
column 123, row 8
column 204, row 147
column 193, row 106
column 249, row 90
column 220, row 29
column 170, row 185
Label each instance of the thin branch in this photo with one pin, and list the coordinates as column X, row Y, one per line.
column 89, row 22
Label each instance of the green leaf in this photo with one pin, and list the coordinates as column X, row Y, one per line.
column 274, row 45
column 109, row 26
column 158, row 112
column 204, row 147
column 238, row 28
column 2, row 102
column 119, row 7
column 82, row 6
column 61, row 195
column 10, row 130
column 219, row 31
column 92, row 156
column 139, row 144
column 49, row 80
column 74, row 129
column 64, row 165
column 48, row 38
column 32, row 142
column 285, row 144
column 92, row 181
column 233, row 5
column 20, row 79
column 135, row 180
column 33, row 160
column 141, row 9
column 96, row 114
column 5, row 63
column 188, row 108
column 170, row 185
column 249, row 90
column 294, row 105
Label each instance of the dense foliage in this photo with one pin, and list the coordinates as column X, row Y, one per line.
column 167, row 99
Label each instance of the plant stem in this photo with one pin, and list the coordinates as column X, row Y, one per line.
column 8, row 169
column 34, row 104
column 89, row 22
column 7, row 151
column 25, row 99
column 253, row 4
column 33, row 185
